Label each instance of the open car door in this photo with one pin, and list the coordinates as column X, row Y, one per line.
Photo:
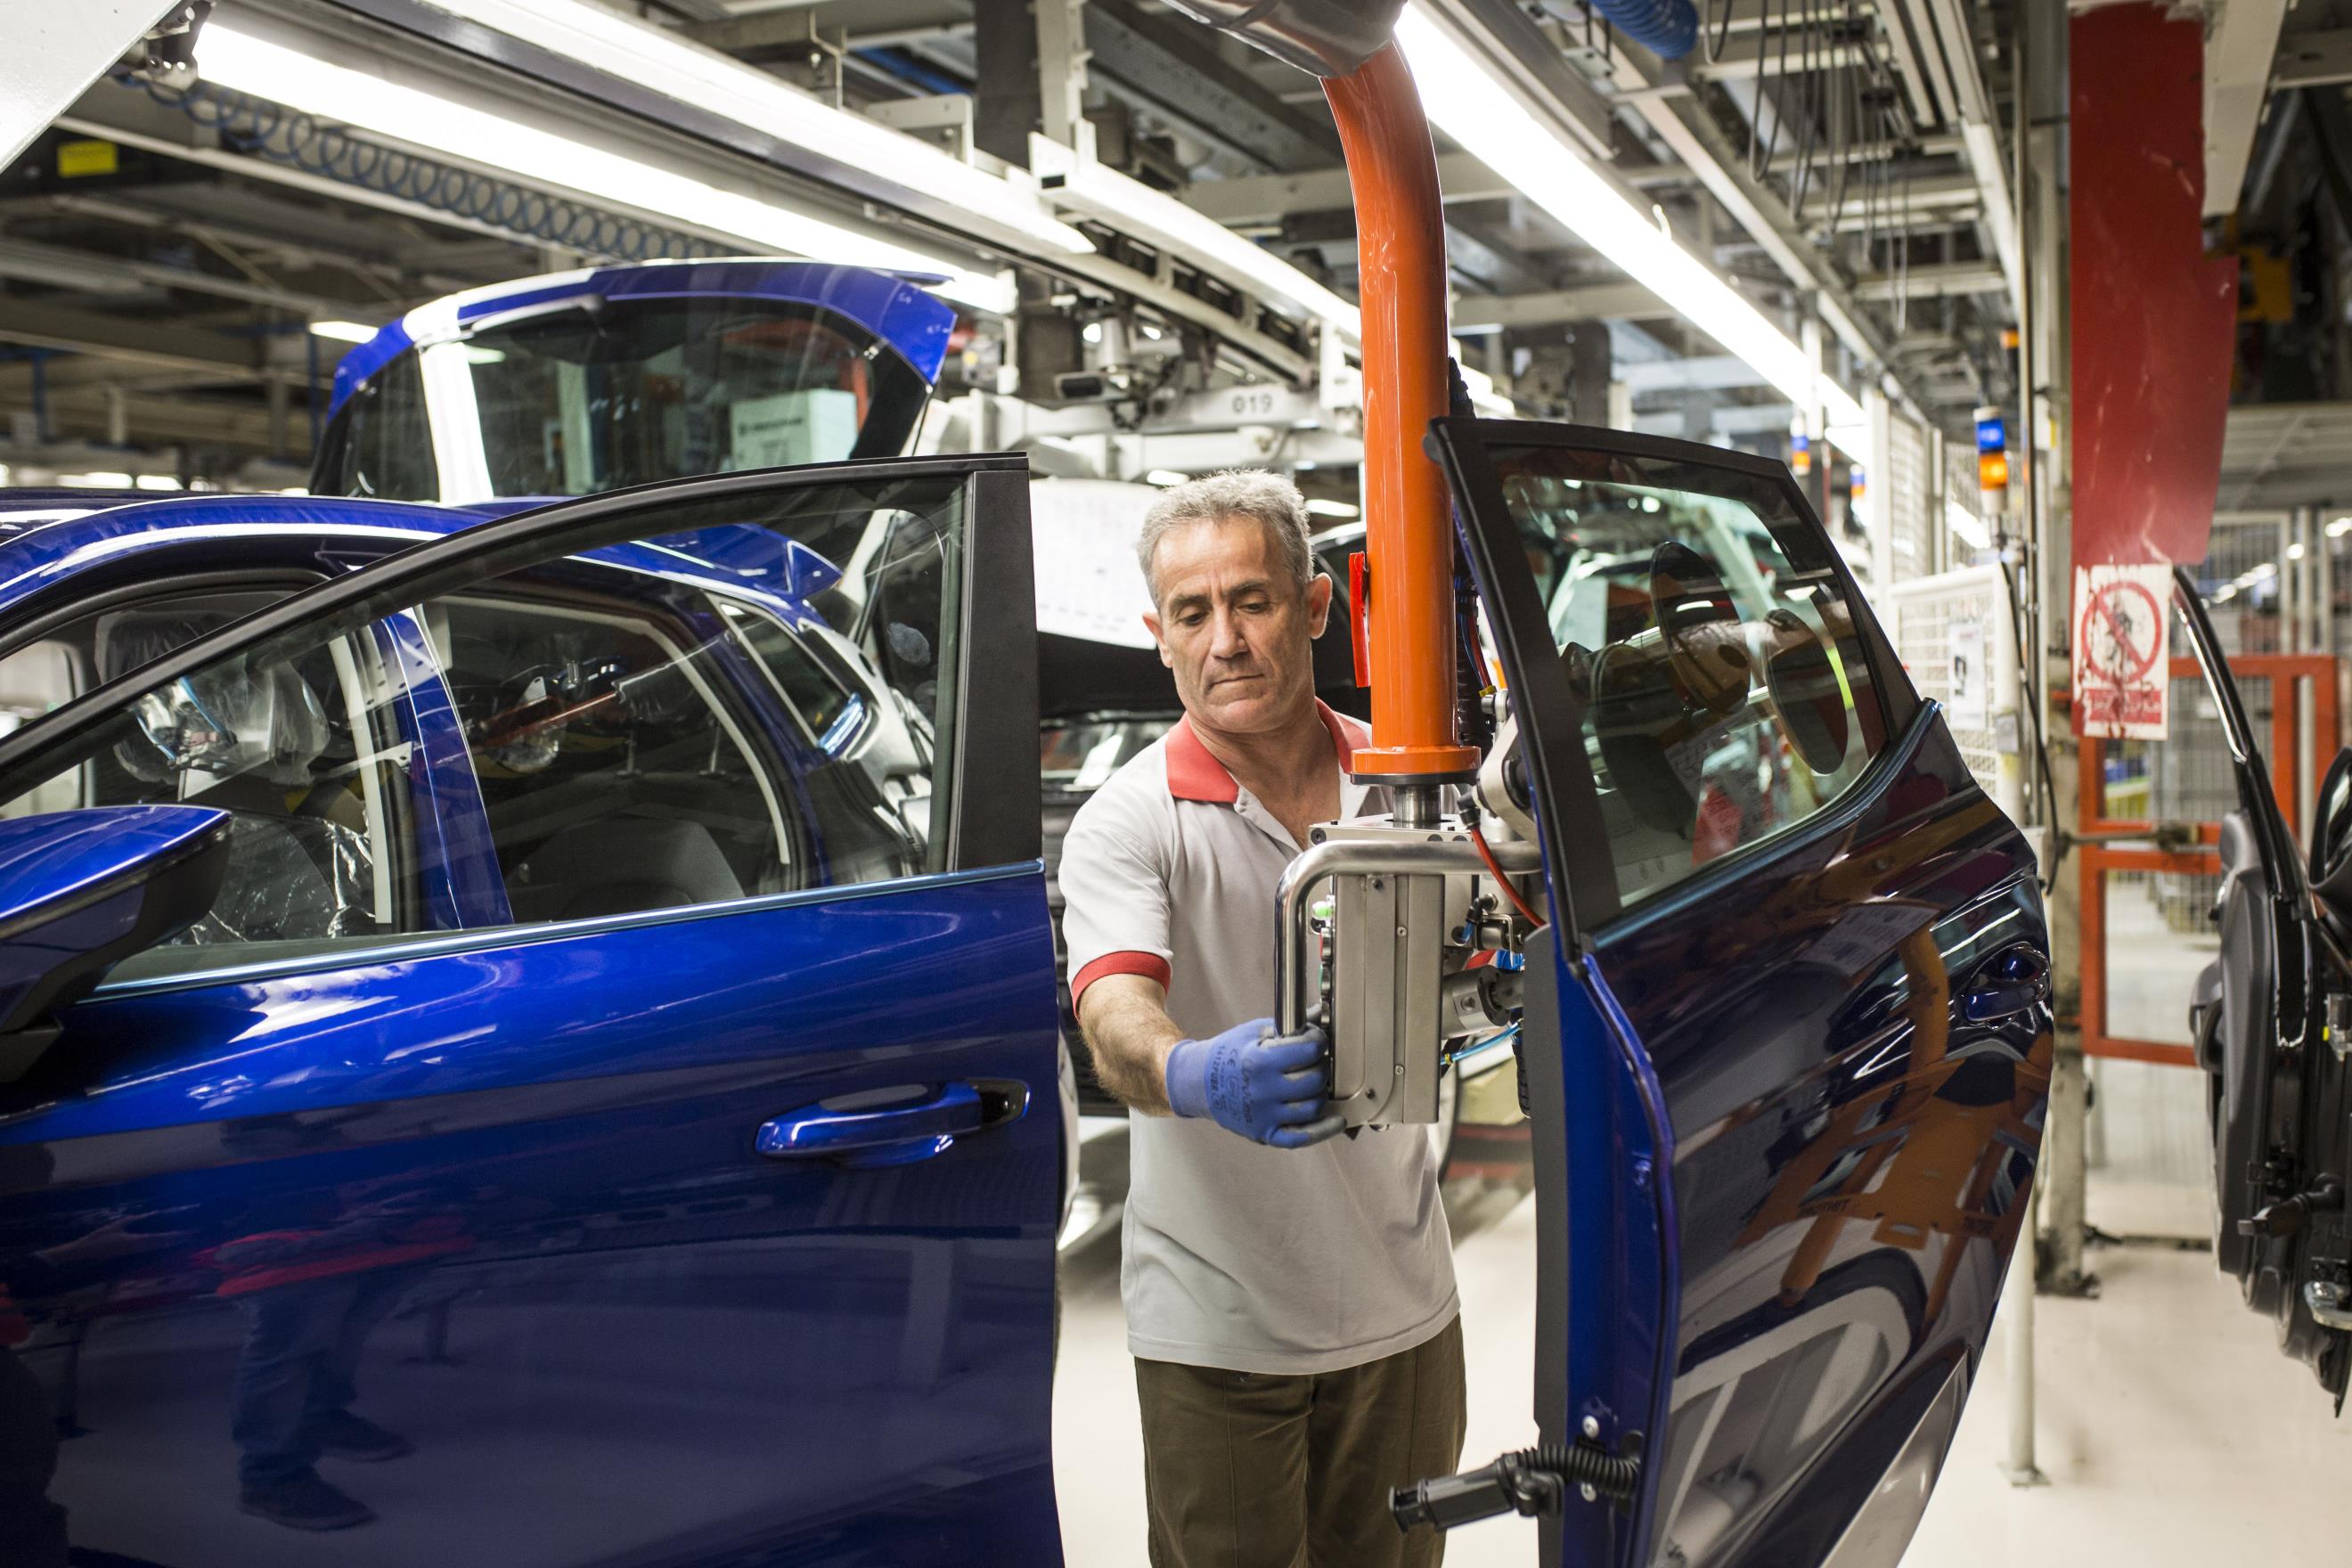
column 1788, row 1062
column 603, row 1109
column 2269, row 1019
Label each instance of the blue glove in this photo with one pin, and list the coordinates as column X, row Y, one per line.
column 1269, row 1087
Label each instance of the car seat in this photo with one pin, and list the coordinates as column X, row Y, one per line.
column 619, row 865
column 235, row 739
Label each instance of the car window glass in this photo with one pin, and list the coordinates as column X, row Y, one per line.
column 380, row 444
column 318, row 847
column 576, row 398
column 578, row 734
column 1702, row 620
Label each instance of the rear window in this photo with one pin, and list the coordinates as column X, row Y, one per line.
column 1728, row 697
column 583, row 398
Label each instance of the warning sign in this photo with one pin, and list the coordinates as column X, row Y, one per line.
column 2122, row 676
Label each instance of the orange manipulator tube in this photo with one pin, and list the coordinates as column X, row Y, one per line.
column 1409, row 523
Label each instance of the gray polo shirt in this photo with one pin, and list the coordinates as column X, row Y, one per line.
column 1236, row 1255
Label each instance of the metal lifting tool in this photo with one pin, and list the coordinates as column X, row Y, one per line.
column 1396, row 933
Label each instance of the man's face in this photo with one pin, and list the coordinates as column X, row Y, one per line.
column 1233, row 627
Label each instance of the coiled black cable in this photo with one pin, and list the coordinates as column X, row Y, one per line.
column 259, row 127
column 1528, row 1482
column 1610, row 1475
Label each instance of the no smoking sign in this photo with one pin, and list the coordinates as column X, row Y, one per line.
column 2122, row 677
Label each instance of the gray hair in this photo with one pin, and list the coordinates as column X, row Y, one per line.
column 1268, row 498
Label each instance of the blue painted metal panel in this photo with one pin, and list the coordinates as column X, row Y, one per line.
column 74, row 887
column 362, row 361
column 505, row 1200
column 334, row 535
column 58, row 857
column 54, row 552
column 1852, row 1139
column 456, row 859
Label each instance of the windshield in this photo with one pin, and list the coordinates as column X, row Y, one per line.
column 601, row 394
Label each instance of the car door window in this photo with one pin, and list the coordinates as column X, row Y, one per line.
column 318, row 841
column 587, row 727
column 1728, row 697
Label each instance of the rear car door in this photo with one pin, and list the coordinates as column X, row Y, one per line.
column 620, row 1064
column 2269, row 1024
column 1786, row 1071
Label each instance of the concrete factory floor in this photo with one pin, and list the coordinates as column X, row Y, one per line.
column 2170, row 1430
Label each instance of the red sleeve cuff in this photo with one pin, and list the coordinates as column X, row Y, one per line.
column 1151, row 965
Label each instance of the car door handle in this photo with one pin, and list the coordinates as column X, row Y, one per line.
column 2009, row 985
column 894, row 1134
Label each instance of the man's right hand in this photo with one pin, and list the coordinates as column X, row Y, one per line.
column 1269, row 1087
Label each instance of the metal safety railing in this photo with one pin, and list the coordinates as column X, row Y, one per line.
column 2176, row 797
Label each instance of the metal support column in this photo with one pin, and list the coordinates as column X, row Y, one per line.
column 1878, row 502
column 2039, row 64
column 280, row 396
column 2017, row 1319
column 2290, row 611
column 1061, row 69
column 2323, row 552
column 1005, row 104
column 2066, row 1148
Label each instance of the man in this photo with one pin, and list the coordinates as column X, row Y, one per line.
column 1289, row 1293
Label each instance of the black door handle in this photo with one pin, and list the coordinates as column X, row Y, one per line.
column 2012, row 983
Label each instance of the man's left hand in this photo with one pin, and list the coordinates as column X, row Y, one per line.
column 1269, row 1087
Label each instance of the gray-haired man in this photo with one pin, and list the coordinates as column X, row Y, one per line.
column 1289, row 1294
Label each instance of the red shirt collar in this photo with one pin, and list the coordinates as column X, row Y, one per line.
column 1194, row 774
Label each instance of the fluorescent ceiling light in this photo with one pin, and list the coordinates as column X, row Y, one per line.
column 158, row 482
column 657, row 58
column 2339, row 528
column 1343, row 509
column 1081, row 184
column 95, row 482
column 248, row 64
column 1164, row 478
column 1478, row 110
column 344, row 331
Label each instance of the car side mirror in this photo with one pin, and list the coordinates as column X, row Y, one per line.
column 80, row 891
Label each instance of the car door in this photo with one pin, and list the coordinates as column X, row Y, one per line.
column 599, row 1120
column 1788, row 1066
column 2280, row 1107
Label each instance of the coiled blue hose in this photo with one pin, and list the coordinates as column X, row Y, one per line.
column 1667, row 28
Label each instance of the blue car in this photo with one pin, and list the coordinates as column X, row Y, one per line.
column 531, row 1034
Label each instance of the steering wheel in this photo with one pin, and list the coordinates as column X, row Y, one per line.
column 1705, row 637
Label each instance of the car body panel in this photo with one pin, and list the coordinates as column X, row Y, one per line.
column 512, row 1176
column 1802, row 1178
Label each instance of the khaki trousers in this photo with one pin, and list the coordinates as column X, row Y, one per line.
column 1255, row 1470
